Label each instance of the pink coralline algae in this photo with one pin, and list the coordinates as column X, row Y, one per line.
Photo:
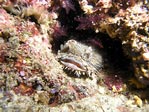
column 114, row 83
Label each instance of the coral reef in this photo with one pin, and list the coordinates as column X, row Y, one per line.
column 28, row 68
column 124, row 20
column 52, row 59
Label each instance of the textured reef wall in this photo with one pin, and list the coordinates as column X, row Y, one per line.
column 127, row 20
column 52, row 58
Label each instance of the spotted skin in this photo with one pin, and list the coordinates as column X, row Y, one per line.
column 80, row 59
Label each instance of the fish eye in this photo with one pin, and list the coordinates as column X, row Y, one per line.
column 87, row 55
column 65, row 49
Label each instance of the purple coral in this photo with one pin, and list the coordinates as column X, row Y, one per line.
column 59, row 31
column 89, row 21
column 67, row 5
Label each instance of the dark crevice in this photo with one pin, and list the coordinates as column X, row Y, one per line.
column 115, row 54
column 67, row 22
column 112, row 48
column 32, row 19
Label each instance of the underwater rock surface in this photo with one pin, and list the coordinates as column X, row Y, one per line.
column 32, row 63
column 127, row 20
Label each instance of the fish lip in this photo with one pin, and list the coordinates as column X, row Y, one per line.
column 73, row 64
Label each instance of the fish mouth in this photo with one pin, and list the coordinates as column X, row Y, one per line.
column 73, row 64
